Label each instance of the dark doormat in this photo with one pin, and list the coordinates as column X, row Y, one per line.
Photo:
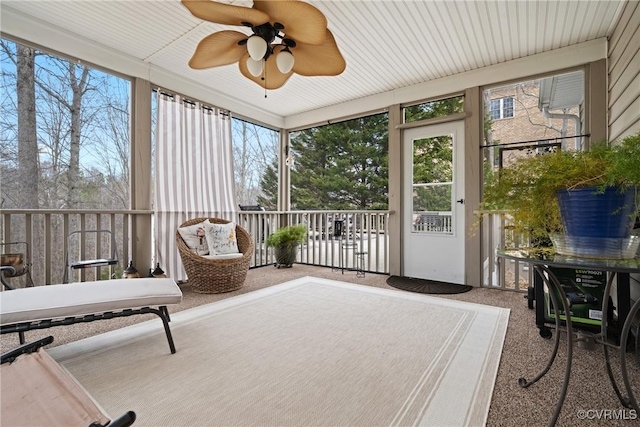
column 426, row 286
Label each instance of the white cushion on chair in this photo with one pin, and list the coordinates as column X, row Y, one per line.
column 225, row 256
column 79, row 299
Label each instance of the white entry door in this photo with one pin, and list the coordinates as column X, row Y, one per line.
column 433, row 194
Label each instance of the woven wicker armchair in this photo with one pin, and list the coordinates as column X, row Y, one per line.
column 208, row 276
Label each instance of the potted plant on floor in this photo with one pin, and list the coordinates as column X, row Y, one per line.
column 285, row 242
column 571, row 198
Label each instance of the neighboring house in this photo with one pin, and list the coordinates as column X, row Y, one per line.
column 517, row 115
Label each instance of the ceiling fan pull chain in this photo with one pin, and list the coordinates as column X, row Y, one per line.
column 264, row 78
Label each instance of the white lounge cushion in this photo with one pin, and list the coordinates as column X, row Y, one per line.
column 224, row 256
column 78, row 299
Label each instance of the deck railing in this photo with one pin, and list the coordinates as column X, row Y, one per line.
column 497, row 233
column 434, row 222
column 41, row 236
column 363, row 244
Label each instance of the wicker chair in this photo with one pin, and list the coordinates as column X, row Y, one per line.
column 208, row 276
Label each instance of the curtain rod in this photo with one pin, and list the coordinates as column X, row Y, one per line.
column 190, row 102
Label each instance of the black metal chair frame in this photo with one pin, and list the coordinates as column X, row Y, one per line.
column 21, row 328
column 79, row 264
column 26, row 268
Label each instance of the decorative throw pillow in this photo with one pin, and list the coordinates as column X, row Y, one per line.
column 221, row 238
column 194, row 237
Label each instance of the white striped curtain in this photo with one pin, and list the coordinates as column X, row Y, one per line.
column 193, row 173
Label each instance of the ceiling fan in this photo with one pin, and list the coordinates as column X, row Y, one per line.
column 289, row 36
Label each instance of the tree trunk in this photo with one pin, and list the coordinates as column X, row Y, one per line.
column 77, row 88
column 27, row 136
column 28, row 159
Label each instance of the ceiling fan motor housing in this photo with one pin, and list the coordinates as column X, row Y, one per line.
column 268, row 32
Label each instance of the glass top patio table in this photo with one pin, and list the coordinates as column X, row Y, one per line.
column 563, row 261
column 620, row 267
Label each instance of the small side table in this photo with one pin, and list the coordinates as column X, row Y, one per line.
column 360, row 261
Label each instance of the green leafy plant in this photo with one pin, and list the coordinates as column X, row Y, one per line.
column 528, row 187
column 288, row 236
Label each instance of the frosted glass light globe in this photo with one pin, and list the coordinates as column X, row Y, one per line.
column 285, row 61
column 254, row 67
column 257, row 47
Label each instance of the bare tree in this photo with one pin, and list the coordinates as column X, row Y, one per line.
column 64, row 144
column 20, row 185
column 74, row 78
column 531, row 90
column 254, row 149
column 27, row 137
column 21, row 182
column 111, row 139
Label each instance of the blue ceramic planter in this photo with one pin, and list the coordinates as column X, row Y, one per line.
column 587, row 212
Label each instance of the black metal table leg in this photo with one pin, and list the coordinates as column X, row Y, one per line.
column 538, row 289
column 604, row 330
column 554, row 285
column 633, row 403
column 619, row 269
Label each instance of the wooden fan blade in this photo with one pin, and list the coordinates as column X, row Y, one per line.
column 302, row 22
column 273, row 77
column 225, row 13
column 217, row 49
column 323, row 60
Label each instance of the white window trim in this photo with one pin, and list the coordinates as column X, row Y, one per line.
column 502, row 109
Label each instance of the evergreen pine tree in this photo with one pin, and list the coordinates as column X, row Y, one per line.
column 341, row 166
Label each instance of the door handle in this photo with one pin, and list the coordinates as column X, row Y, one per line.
column 461, row 201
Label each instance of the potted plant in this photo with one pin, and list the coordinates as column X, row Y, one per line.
column 285, row 242
column 540, row 191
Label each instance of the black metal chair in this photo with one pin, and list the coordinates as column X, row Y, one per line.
column 108, row 258
column 17, row 256
column 11, row 272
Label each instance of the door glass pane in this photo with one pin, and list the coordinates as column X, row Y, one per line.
column 432, row 185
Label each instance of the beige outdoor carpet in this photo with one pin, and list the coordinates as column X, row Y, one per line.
column 310, row 352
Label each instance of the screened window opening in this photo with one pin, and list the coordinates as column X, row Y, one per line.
column 433, row 109
column 255, row 154
column 73, row 121
column 341, row 165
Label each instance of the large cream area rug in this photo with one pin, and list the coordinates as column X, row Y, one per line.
column 310, row 352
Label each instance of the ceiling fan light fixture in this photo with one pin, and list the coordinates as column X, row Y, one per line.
column 257, row 47
column 297, row 25
column 255, row 67
column 285, row 61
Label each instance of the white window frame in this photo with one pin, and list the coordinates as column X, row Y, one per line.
column 501, row 110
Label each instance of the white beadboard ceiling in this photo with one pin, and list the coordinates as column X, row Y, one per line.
column 387, row 44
